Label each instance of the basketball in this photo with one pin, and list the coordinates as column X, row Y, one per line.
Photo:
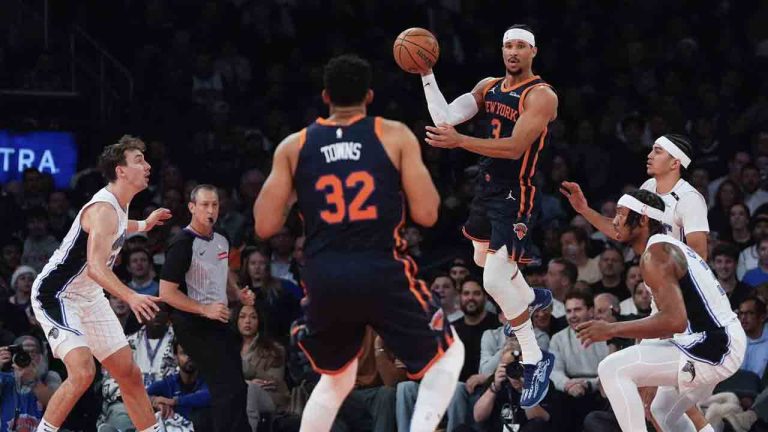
column 416, row 50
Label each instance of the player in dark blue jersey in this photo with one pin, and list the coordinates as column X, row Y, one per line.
column 351, row 175
column 518, row 108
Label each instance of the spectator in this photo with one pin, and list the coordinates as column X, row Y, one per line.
column 276, row 298
column 10, row 258
column 141, row 272
column 560, row 279
column 60, row 215
column 471, row 327
column 611, row 268
column 458, row 271
column 607, row 309
column 445, row 288
column 498, row 409
column 724, row 258
column 759, row 274
column 183, row 393
column 573, row 247
column 736, row 163
column 752, row 315
column 546, row 323
column 21, row 284
column 748, row 258
column 492, row 344
column 575, row 371
column 719, row 216
column 25, row 391
column 738, row 232
column 124, row 314
column 640, row 303
column 231, row 221
column 754, row 195
column 281, row 245
column 39, row 245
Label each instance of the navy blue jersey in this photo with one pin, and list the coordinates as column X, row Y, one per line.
column 503, row 107
column 349, row 192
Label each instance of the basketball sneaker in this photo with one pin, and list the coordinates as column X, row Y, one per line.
column 536, row 380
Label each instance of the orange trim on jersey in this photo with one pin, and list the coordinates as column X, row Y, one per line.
column 377, row 122
column 518, row 260
column 329, row 372
column 521, row 105
column 466, row 234
column 492, row 83
column 325, row 122
column 302, row 138
column 533, row 170
column 406, row 265
column 522, row 184
column 420, row 374
column 518, row 85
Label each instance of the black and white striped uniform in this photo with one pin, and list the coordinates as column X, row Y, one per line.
column 72, row 307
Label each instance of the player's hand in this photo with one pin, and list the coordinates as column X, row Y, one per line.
column 247, row 297
column 157, row 217
column 143, row 306
column 647, row 394
column 594, row 331
column 5, row 357
column 575, row 196
column 474, row 381
column 216, row 312
column 443, row 136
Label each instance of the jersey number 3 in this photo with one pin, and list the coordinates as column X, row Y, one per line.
column 335, row 197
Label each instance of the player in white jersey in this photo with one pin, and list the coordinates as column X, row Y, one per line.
column 707, row 343
column 68, row 298
column 685, row 216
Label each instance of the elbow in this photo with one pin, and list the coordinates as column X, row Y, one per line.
column 426, row 217
column 264, row 230
column 93, row 271
column 677, row 323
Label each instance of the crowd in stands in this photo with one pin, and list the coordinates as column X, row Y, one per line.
column 219, row 83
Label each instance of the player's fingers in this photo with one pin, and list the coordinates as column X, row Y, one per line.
column 565, row 192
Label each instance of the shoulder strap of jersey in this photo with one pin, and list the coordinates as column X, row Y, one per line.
column 525, row 93
column 490, row 84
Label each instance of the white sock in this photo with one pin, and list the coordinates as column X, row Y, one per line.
column 528, row 345
column 44, row 426
column 437, row 388
column 326, row 399
column 154, row 428
column 707, row 428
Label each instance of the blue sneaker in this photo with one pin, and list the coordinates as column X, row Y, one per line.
column 536, row 380
column 542, row 298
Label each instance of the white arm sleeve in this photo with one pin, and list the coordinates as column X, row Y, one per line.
column 459, row 111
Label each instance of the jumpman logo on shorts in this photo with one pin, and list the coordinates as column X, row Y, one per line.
column 510, row 196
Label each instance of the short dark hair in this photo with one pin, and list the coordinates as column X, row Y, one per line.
column 652, row 200
column 587, row 298
column 204, row 186
column 726, row 249
column 471, row 278
column 569, row 269
column 522, row 27
column 442, row 274
column 114, row 155
column 742, row 205
column 579, row 233
column 175, row 346
column 347, row 79
column 683, row 143
column 759, row 304
column 750, row 166
column 140, row 250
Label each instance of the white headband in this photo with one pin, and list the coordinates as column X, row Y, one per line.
column 636, row 206
column 518, row 33
column 674, row 150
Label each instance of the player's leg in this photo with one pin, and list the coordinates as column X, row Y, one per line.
column 128, row 376
column 480, row 252
column 80, row 373
column 327, row 397
column 644, row 365
column 669, row 407
column 477, row 228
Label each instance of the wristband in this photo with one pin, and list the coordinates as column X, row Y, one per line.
column 142, row 225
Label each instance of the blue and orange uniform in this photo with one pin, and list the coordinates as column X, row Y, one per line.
column 506, row 203
column 351, row 201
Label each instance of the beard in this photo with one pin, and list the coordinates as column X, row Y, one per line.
column 471, row 309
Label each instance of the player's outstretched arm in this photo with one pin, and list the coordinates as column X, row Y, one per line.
column 274, row 202
column 156, row 218
column 460, row 110
column 578, row 201
column 420, row 191
column 100, row 222
column 540, row 109
column 662, row 265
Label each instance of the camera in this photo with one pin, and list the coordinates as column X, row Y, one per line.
column 19, row 357
column 514, row 369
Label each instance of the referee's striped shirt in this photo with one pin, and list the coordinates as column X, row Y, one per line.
column 199, row 265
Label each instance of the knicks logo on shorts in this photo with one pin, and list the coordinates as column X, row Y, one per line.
column 437, row 322
column 521, row 230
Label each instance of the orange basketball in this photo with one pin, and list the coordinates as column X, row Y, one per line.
column 416, row 50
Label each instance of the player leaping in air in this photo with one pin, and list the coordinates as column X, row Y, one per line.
column 518, row 108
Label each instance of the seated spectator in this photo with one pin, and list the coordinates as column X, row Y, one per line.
column 277, row 299
column 560, row 279
column 573, row 247
column 543, row 320
column 498, row 409
column 458, row 271
column 724, row 258
column 748, row 258
column 752, row 314
column 152, row 348
column 60, row 214
column 739, row 233
column 639, row 304
column 141, row 272
column 39, row 244
column 370, row 406
column 10, row 259
column 612, row 268
column 124, row 314
column 754, row 195
column 445, row 288
column 759, row 274
column 25, row 390
column 281, row 245
column 19, row 301
column 264, row 362
column 728, row 193
column 607, row 309
column 182, row 398
column 575, row 371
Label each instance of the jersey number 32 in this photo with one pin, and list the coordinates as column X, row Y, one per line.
column 334, row 190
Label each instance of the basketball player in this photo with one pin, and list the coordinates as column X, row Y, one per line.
column 349, row 173
column 709, row 343
column 685, row 214
column 68, row 296
column 518, row 107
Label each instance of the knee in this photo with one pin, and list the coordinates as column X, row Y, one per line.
column 605, row 369
column 81, row 376
column 659, row 411
column 480, row 253
column 127, row 375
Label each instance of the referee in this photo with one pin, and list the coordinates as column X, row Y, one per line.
column 194, row 283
